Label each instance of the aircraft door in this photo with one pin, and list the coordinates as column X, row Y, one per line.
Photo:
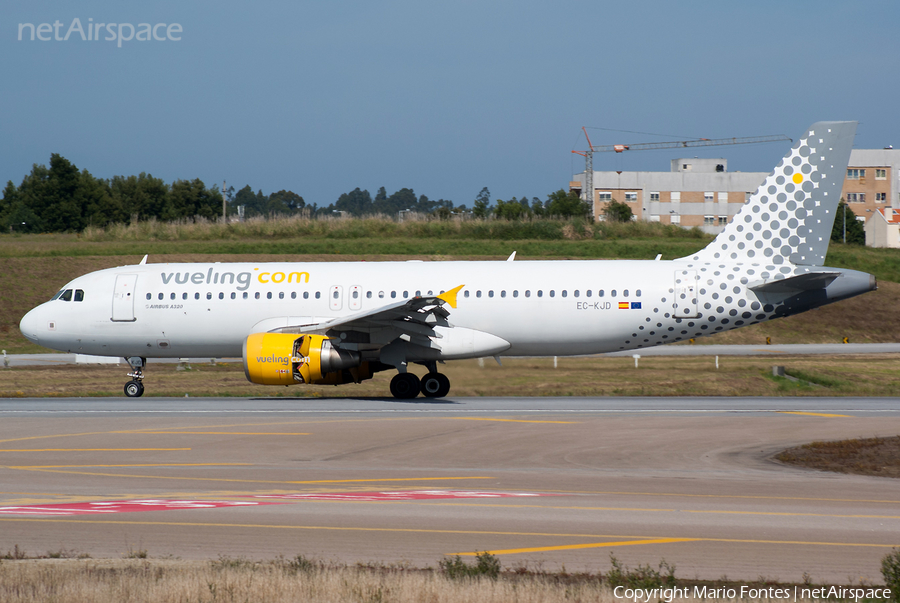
column 336, row 297
column 687, row 294
column 123, row 298
column 355, row 301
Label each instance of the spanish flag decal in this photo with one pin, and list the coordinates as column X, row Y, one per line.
column 623, row 305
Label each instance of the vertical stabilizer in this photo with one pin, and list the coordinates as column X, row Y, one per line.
column 789, row 217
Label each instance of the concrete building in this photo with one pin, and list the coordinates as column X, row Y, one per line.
column 883, row 228
column 703, row 193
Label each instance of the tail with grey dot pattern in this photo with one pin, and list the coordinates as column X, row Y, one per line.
column 788, row 219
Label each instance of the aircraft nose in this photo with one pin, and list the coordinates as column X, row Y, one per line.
column 29, row 325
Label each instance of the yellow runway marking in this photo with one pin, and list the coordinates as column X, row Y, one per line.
column 572, row 547
column 134, row 465
column 276, row 433
column 96, row 450
column 642, row 539
column 56, row 435
column 739, row 496
column 511, row 420
column 810, row 414
column 256, row 481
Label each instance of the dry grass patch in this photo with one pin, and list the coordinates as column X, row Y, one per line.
column 870, row 456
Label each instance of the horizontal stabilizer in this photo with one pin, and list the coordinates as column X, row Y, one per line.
column 809, row 281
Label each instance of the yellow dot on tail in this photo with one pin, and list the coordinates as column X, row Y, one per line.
column 798, row 178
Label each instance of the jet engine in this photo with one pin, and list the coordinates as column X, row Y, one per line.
column 288, row 358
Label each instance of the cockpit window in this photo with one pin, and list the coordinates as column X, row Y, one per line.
column 55, row 297
column 66, row 295
column 79, row 295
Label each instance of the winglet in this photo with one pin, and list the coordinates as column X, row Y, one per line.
column 511, row 257
column 450, row 296
column 144, row 261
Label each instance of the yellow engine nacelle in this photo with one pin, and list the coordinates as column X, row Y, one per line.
column 287, row 358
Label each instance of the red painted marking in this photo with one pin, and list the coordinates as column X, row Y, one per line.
column 405, row 495
column 125, row 506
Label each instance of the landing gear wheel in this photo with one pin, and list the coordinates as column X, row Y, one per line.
column 134, row 389
column 405, row 386
column 435, row 385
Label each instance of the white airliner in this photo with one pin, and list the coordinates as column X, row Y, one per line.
column 334, row 323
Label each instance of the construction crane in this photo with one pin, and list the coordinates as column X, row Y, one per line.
column 588, row 155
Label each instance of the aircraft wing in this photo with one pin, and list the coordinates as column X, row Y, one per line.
column 412, row 320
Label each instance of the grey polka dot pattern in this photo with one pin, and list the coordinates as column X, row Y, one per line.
column 788, row 219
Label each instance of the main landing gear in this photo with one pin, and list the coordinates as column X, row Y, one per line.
column 407, row 386
column 135, row 387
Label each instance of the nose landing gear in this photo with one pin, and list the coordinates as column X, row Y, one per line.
column 135, row 387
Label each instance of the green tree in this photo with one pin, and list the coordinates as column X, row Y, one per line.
column 285, row 202
column 856, row 234
column 191, row 199
column 565, row 204
column 357, row 202
column 143, row 196
column 98, row 206
column 616, row 211
column 482, row 203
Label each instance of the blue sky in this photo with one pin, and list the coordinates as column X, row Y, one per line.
column 445, row 98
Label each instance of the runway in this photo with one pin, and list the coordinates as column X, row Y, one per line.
column 543, row 482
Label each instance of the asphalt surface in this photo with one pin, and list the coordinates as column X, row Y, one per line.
column 539, row 481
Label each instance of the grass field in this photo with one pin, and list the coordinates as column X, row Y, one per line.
column 596, row 376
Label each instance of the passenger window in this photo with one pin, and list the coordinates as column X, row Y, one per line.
column 171, row 295
column 246, row 295
column 405, row 294
column 393, row 294
column 79, row 295
column 466, row 293
column 625, row 293
column 184, row 296
column 208, row 295
column 430, row 293
column 233, row 295
column 515, row 293
column 418, row 294
column 600, row 293
column 478, row 293
column 503, row 294
column 318, row 295
column 552, row 293
column 527, row 292
column 356, row 294
column 256, row 295
column 306, row 295
column 638, row 293
column 334, row 295
column 540, row 293
column 281, row 295
column 196, row 296
column 565, row 293
column 293, row 295
column 269, row 295
column 149, row 295
column 587, row 293
column 160, row 296
column 368, row 295
column 613, row 293
column 576, row 293
column 67, row 295
column 221, row 295
column 491, row 293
